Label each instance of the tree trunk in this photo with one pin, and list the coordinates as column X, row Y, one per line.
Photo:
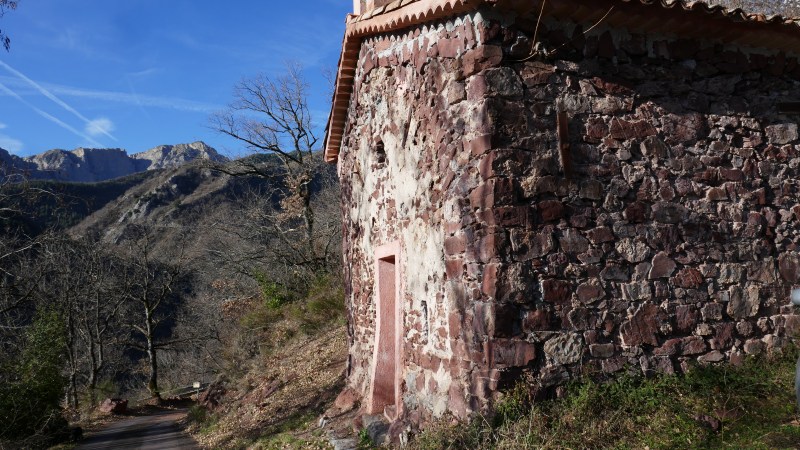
column 72, row 388
column 308, row 213
column 93, row 371
column 152, row 383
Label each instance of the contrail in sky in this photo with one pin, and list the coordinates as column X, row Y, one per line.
column 128, row 98
column 52, row 97
column 49, row 117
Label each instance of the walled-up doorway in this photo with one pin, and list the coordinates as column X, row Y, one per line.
column 385, row 390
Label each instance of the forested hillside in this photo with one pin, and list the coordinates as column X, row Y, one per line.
column 136, row 286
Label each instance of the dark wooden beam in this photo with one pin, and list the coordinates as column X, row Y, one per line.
column 562, row 123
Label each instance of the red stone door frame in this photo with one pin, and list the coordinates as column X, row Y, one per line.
column 388, row 326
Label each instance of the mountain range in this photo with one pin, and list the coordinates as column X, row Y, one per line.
column 100, row 164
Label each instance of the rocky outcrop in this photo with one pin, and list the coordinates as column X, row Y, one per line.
column 9, row 162
column 99, row 164
column 114, row 406
column 82, row 164
column 171, row 156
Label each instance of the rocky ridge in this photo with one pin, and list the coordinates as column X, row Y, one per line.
column 100, row 164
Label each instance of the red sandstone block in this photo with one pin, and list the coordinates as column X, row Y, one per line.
column 693, row 345
column 486, row 164
column 454, row 324
column 596, row 129
column 688, row 278
column 643, row 326
column 590, row 292
column 450, row 47
column 486, row 217
column 480, row 145
column 457, row 402
column 494, row 192
column 556, row 291
column 723, row 336
column 483, row 319
column 600, row 234
column 454, row 268
column 488, row 246
column 512, row 352
column 550, row 210
column 536, row 73
column 612, row 87
column 382, row 45
column 480, row 58
column 623, row 129
column 671, row 347
column 538, row 320
column 731, row 174
column 455, row 245
column 481, row 197
column 513, row 216
column 489, row 283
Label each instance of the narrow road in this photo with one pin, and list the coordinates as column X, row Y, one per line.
column 157, row 431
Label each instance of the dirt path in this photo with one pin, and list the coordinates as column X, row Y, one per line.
column 157, row 431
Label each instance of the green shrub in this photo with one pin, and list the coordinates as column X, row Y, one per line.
column 33, row 386
column 751, row 406
column 273, row 294
column 197, row 414
column 323, row 304
column 364, row 441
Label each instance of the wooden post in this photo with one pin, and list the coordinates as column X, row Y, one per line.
column 562, row 123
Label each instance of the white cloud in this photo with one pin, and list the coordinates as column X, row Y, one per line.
column 139, row 100
column 50, row 96
column 10, row 144
column 3, row 126
column 101, row 125
column 143, row 73
column 50, row 117
column 129, row 98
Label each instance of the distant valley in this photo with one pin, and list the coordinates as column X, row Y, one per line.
column 88, row 165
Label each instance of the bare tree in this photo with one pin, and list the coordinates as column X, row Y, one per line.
column 19, row 269
column 271, row 117
column 5, row 6
column 98, row 311
column 152, row 286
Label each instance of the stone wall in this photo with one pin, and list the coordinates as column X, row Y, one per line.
column 399, row 167
column 672, row 241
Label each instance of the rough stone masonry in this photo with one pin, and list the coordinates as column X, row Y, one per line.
column 672, row 240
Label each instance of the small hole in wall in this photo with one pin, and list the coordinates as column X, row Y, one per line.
column 380, row 153
column 425, row 327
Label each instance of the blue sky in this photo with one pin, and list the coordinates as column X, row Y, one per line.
column 135, row 74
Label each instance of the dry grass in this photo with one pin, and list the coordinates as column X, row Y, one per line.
column 277, row 404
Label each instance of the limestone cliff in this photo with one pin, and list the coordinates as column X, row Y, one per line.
column 171, row 156
column 99, row 164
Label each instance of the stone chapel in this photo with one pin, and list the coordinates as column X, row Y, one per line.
column 553, row 188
